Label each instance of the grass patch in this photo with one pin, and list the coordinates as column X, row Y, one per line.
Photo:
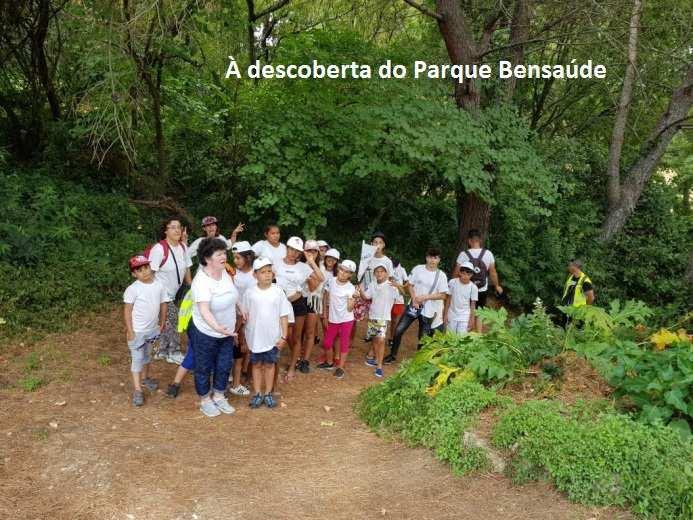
column 103, row 360
column 31, row 383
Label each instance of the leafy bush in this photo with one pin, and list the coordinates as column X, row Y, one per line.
column 401, row 406
column 63, row 249
column 654, row 375
column 603, row 459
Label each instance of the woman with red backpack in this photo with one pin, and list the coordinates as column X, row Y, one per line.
column 171, row 263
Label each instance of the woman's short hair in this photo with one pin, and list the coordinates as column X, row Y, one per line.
column 208, row 247
column 269, row 226
column 432, row 251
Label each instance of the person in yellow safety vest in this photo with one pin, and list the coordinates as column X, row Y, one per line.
column 578, row 287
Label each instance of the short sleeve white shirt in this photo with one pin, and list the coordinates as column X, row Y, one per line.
column 382, row 296
column 222, row 297
column 488, row 260
column 244, row 281
column 264, row 308
column 291, row 278
column 461, row 296
column 192, row 248
column 422, row 279
column 400, row 276
column 166, row 273
column 146, row 300
column 339, row 295
column 264, row 248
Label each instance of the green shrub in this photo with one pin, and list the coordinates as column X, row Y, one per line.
column 601, row 459
column 63, row 249
column 436, row 422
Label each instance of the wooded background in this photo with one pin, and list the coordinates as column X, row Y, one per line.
column 114, row 113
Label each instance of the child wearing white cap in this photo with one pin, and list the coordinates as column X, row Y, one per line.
column 296, row 278
column 265, row 311
column 338, row 311
column 382, row 295
column 460, row 304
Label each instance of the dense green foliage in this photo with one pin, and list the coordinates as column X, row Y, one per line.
column 599, row 452
column 132, row 102
column 63, row 249
column 653, row 376
column 600, row 458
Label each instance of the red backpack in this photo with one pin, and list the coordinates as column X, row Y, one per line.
column 166, row 247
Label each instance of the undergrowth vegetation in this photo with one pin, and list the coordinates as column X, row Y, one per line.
column 617, row 452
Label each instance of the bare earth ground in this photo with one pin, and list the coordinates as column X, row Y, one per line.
column 98, row 457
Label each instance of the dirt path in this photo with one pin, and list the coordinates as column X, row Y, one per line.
column 97, row 457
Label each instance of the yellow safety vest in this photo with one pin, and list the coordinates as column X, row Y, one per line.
column 579, row 298
column 185, row 311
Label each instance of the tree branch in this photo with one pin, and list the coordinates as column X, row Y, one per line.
column 278, row 5
column 425, row 10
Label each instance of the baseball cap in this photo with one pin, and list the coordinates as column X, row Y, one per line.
column 208, row 221
column 467, row 266
column 261, row 262
column 137, row 261
column 322, row 243
column 310, row 245
column 380, row 263
column 349, row 265
column 333, row 253
column 241, row 247
column 378, row 234
column 295, row 243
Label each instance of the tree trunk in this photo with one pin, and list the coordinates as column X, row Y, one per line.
column 519, row 32
column 613, row 186
column 669, row 123
column 472, row 213
column 39, row 58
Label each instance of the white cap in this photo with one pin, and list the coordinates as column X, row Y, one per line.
column 261, row 262
column 333, row 253
column 310, row 244
column 349, row 265
column 468, row 266
column 241, row 247
column 295, row 243
column 322, row 243
column 380, row 263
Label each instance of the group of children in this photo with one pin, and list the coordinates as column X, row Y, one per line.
column 288, row 295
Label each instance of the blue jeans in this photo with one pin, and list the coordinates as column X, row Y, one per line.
column 213, row 359
column 404, row 323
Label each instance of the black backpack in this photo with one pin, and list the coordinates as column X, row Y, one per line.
column 480, row 275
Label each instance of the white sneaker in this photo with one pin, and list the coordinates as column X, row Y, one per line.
column 176, row 358
column 223, row 405
column 240, row 390
column 209, row 409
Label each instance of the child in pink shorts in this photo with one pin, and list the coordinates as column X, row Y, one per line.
column 338, row 311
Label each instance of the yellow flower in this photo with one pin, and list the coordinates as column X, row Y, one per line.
column 663, row 338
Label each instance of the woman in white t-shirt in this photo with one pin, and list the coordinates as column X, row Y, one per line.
column 295, row 278
column 271, row 247
column 210, row 225
column 171, row 265
column 212, row 329
column 427, row 285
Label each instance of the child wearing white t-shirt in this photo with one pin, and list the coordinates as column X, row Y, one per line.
column 382, row 295
column 265, row 311
column 338, row 311
column 461, row 302
column 146, row 302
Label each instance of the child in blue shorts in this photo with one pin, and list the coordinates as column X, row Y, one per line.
column 266, row 313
